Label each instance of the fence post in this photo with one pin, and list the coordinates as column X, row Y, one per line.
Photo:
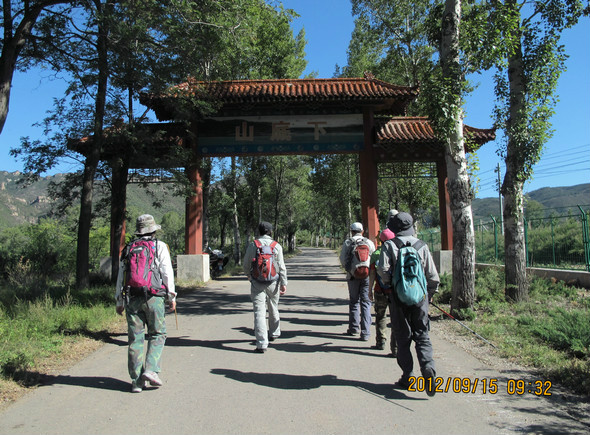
column 526, row 241
column 585, row 238
column 553, row 240
column 495, row 239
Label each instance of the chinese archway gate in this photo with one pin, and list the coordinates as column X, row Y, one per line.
column 273, row 117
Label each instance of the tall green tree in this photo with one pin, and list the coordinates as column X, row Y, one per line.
column 19, row 19
column 529, row 61
column 112, row 50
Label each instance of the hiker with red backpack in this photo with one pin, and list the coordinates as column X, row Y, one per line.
column 406, row 262
column 355, row 257
column 265, row 268
column 144, row 284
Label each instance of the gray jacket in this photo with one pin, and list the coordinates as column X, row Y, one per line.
column 388, row 259
column 250, row 255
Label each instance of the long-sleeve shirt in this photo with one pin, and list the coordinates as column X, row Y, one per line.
column 388, row 259
column 250, row 255
column 162, row 261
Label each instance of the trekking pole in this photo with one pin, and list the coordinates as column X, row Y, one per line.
column 176, row 318
column 463, row 325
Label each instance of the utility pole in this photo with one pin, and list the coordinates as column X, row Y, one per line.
column 500, row 198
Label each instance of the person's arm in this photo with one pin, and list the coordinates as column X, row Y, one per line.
column 386, row 262
column 167, row 273
column 248, row 257
column 432, row 278
column 120, row 303
column 282, row 270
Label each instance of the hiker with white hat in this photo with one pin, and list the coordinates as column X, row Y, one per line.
column 355, row 257
column 144, row 284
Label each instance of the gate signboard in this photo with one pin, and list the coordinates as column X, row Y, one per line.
column 299, row 134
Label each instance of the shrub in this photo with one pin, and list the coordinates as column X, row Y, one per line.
column 564, row 330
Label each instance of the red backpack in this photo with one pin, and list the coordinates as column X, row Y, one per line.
column 263, row 264
column 141, row 274
column 360, row 258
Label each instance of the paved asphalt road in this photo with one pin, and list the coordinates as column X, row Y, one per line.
column 313, row 380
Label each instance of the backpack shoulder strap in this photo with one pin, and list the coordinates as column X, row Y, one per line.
column 257, row 243
column 398, row 243
column 273, row 245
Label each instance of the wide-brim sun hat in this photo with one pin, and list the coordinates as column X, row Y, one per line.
column 146, row 224
column 402, row 224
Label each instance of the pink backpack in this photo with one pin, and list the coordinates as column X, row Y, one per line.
column 141, row 274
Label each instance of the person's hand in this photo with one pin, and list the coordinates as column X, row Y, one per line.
column 172, row 305
column 283, row 289
column 371, row 298
column 120, row 309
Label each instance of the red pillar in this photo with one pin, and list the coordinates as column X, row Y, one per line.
column 193, row 236
column 368, row 174
column 444, row 206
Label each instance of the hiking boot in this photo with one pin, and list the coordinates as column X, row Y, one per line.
column 379, row 346
column 402, row 383
column 429, row 383
column 351, row 333
column 137, row 386
column 259, row 350
column 153, row 379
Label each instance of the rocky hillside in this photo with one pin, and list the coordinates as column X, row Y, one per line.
column 20, row 204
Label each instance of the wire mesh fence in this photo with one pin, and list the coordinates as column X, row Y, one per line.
column 555, row 242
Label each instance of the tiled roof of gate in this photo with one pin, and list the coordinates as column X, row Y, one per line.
column 419, row 130
column 357, row 90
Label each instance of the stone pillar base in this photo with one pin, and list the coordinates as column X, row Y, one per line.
column 443, row 261
column 190, row 268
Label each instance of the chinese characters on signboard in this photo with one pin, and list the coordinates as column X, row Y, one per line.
column 280, row 131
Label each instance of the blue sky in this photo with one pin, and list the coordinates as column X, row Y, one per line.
column 328, row 26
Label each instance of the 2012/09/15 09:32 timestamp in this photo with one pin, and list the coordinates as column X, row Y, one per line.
column 482, row 385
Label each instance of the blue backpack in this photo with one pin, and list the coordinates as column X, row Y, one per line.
column 408, row 277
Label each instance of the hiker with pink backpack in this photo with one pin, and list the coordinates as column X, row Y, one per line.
column 265, row 268
column 144, row 285
column 355, row 257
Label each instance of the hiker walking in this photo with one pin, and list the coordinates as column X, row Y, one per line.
column 144, row 284
column 413, row 290
column 380, row 293
column 355, row 257
column 265, row 268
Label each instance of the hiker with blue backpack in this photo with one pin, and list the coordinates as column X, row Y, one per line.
column 144, row 285
column 355, row 257
column 265, row 268
column 407, row 263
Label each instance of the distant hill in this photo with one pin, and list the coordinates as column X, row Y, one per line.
column 555, row 200
column 20, row 205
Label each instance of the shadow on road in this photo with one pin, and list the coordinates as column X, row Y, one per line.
column 300, row 382
column 101, row 382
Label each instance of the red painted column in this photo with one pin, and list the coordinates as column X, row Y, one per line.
column 193, row 236
column 368, row 174
column 444, row 206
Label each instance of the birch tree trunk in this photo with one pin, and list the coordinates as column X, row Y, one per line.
column 512, row 187
column 235, row 220
column 460, row 194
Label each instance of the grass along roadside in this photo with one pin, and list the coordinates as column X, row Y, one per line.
column 49, row 333
column 549, row 333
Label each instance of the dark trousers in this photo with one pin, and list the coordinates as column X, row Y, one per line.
column 411, row 323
